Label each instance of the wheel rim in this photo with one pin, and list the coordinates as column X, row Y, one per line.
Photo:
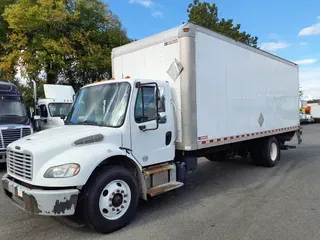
column 273, row 151
column 115, row 200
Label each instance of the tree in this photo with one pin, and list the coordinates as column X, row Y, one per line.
column 206, row 15
column 27, row 91
column 71, row 40
column 300, row 91
column 4, row 30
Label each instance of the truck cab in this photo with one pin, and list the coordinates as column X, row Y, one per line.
column 115, row 129
column 55, row 106
column 14, row 120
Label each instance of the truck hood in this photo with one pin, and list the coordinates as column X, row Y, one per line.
column 56, row 146
column 47, row 144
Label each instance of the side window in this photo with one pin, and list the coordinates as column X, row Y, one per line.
column 162, row 101
column 43, row 111
column 145, row 109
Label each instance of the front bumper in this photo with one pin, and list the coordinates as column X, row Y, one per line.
column 41, row 202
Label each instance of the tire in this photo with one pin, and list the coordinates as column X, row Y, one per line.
column 266, row 153
column 271, row 152
column 109, row 200
column 218, row 156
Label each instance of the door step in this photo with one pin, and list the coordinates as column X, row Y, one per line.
column 154, row 191
column 157, row 169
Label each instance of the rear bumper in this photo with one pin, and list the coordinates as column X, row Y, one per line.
column 41, row 202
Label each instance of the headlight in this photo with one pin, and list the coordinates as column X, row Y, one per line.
column 63, row 171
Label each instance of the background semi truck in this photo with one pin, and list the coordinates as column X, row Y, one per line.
column 140, row 135
column 14, row 120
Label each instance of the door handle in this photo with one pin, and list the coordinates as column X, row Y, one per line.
column 168, row 137
column 142, row 128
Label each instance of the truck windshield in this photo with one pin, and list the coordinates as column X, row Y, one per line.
column 59, row 109
column 12, row 109
column 102, row 105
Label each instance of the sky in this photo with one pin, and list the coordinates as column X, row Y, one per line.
column 287, row 28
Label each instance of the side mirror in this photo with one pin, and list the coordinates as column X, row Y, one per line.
column 162, row 119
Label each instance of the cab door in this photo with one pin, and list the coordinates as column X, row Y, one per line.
column 43, row 116
column 152, row 124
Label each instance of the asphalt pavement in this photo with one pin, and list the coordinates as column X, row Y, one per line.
column 231, row 200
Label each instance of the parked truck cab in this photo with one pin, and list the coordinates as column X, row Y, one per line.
column 55, row 106
column 14, row 120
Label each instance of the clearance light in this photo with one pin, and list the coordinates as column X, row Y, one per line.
column 2, row 97
column 112, row 78
column 96, row 81
column 186, row 29
column 127, row 77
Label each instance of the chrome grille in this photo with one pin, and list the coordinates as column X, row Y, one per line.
column 8, row 136
column 19, row 164
column 26, row 132
column 1, row 141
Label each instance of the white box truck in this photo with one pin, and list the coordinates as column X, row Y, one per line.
column 192, row 93
column 55, row 106
column 315, row 111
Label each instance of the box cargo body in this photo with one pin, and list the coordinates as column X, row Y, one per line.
column 315, row 111
column 223, row 91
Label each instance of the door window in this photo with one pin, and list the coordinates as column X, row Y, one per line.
column 145, row 109
column 43, row 111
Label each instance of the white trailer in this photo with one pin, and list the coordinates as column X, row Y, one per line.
column 191, row 93
column 315, row 111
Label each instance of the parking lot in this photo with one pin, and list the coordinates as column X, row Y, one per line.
column 231, row 200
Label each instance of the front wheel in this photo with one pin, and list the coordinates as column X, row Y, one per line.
column 110, row 200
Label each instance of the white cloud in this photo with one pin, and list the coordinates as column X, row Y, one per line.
column 273, row 36
column 306, row 61
column 157, row 14
column 318, row 17
column 145, row 3
column 310, row 82
column 154, row 8
column 312, row 30
column 303, row 43
column 273, row 46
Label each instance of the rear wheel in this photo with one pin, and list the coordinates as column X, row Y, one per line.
column 110, row 200
column 266, row 152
